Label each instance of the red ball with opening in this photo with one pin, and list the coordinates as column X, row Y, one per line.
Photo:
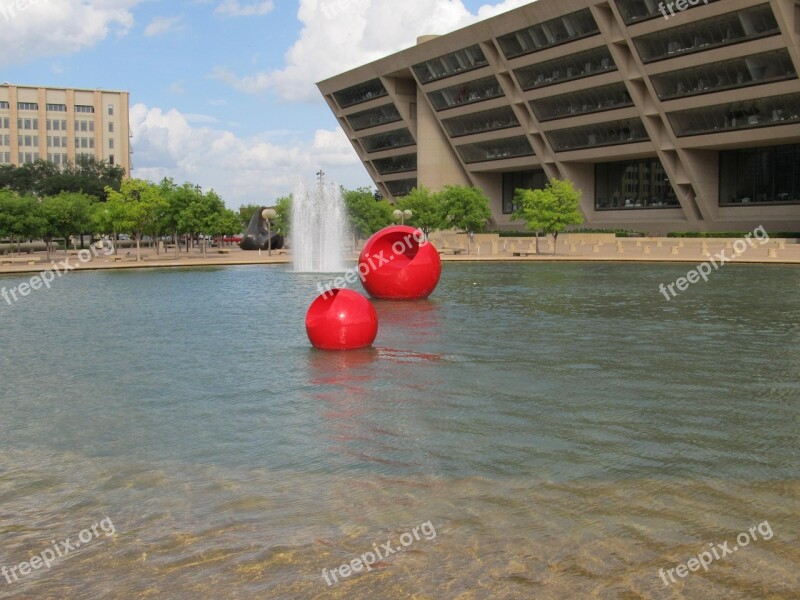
column 398, row 263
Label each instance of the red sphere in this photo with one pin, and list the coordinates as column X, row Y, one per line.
column 341, row 319
column 397, row 263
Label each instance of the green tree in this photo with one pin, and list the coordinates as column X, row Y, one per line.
column 465, row 207
column 549, row 210
column 200, row 217
column 365, row 214
column 67, row 214
column 20, row 217
column 136, row 206
column 246, row 212
column 426, row 208
column 283, row 218
column 225, row 222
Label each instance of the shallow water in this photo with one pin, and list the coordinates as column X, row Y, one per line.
column 566, row 431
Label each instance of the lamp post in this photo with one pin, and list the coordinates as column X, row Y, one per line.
column 269, row 214
column 402, row 215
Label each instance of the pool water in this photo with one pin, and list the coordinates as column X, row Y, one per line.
column 566, row 430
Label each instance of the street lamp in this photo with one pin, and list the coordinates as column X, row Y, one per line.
column 268, row 214
column 402, row 215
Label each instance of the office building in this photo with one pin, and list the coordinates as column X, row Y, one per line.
column 59, row 124
column 669, row 117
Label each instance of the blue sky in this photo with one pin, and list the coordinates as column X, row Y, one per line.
column 222, row 91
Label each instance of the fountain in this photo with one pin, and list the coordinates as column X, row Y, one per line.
column 319, row 228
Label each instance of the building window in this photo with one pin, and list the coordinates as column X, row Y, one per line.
column 769, row 175
column 612, row 133
column 110, row 128
column 557, row 31
column 83, row 108
column 4, row 105
column 391, row 139
column 520, row 180
column 495, row 150
column 631, row 185
column 111, row 143
column 739, row 72
column 110, row 110
column 357, row 94
column 724, row 30
column 466, row 93
column 382, row 115
column 401, row 187
column 5, row 123
column 761, row 112
column 633, row 11
column 488, row 120
column 582, row 102
column 396, row 164
column 566, row 68
column 461, row 61
column 27, row 106
column 57, row 107
column 111, row 159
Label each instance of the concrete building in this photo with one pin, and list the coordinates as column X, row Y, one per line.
column 669, row 117
column 59, row 124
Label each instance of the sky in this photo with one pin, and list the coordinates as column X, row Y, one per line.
column 222, row 92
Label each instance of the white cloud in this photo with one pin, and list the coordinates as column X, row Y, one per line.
column 341, row 34
column 242, row 169
column 233, row 8
column 59, row 27
column 162, row 25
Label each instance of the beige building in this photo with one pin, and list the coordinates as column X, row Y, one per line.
column 668, row 116
column 59, row 124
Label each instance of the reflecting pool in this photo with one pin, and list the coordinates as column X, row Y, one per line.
column 565, row 430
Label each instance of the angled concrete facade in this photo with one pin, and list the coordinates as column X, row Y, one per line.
column 669, row 117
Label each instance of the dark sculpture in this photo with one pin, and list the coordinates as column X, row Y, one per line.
column 257, row 236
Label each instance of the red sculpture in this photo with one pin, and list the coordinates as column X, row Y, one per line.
column 341, row 319
column 398, row 263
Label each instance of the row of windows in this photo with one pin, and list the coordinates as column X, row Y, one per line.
column 488, row 120
column 495, row 149
column 466, row 93
column 401, row 187
column 549, row 33
column 56, row 141
column 391, row 139
column 28, row 140
column 734, row 73
column 624, row 131
column 582, row 102
column 79, row 108
column 382, row 115
column 763, row 112
column 750, row 23
column 760, row 175
column 633, row 11
column 32, row 124
column 451, row 64
column 769, row 175
column 396, row 164
column 363, row 92
column 633, row 184
column 566, row 68
column 58, row 158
